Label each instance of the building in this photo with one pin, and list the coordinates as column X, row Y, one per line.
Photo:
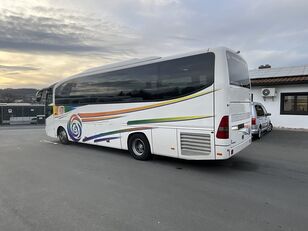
column 21, row 113
column 284, row 93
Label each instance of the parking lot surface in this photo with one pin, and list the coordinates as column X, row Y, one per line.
column 48, row 186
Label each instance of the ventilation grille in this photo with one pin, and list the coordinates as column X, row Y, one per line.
column 193, row 144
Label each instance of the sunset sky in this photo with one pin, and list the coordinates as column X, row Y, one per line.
column 44, row 41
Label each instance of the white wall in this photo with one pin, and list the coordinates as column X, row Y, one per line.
column 273, row 106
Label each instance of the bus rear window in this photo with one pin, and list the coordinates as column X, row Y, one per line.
column 238, row 70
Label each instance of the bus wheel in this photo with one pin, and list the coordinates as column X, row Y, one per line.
column 139, row 147
column 62, row 135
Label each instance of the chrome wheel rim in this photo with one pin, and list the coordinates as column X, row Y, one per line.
column 138, row 147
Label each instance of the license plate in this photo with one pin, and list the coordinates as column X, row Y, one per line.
column 240, row 126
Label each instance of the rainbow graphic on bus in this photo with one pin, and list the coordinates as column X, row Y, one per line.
column 74, row 128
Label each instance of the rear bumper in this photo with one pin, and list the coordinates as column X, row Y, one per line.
column 226, row 152
column 254, row 130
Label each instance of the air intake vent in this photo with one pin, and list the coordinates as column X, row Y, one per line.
column 195, row 144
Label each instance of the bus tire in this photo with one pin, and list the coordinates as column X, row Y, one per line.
column 62, row 136
column 139, row 147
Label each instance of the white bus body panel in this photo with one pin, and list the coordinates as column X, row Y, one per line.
column 233, row 101
column 163, row 136
column 184, row 129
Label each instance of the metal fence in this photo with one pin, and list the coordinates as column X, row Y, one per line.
column 22, row 114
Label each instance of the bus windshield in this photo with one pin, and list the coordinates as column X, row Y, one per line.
column 238, row 70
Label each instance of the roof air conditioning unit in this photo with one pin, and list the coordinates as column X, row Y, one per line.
column 268, row 92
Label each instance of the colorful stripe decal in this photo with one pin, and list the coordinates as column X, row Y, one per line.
column 100, row 118
column 114, row 132
column 163, row 120
column 129, row 110
column 106, row 139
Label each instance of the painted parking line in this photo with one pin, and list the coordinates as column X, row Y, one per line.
column 47, row 141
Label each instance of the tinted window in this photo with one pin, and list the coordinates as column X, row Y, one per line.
column 238, row 70
column 158, row 81
column 294, row 103
column 259, row 110
column 185, row 76
column 134, row 84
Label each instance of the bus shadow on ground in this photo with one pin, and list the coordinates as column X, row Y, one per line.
column 236, row 163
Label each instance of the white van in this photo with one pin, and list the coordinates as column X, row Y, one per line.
column 260, row 121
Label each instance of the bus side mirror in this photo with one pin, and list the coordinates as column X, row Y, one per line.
column 39, row 95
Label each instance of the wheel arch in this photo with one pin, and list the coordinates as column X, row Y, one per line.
column 59, row 129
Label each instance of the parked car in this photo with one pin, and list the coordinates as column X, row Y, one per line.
column 260, row 120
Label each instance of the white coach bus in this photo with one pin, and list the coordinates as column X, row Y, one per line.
column 193, row 106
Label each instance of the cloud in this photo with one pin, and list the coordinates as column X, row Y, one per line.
column 63, row 37
column 46, row 29
column 52, row 67
column 168, row 27
column 153, row 27
column 17, row 68
column 277, row 58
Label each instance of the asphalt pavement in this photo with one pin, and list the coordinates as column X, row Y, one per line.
column 48, row 186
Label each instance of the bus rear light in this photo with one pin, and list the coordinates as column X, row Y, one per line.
column 223, row 129
column 253, row 121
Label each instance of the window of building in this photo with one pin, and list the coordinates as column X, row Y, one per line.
column 294, row 103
